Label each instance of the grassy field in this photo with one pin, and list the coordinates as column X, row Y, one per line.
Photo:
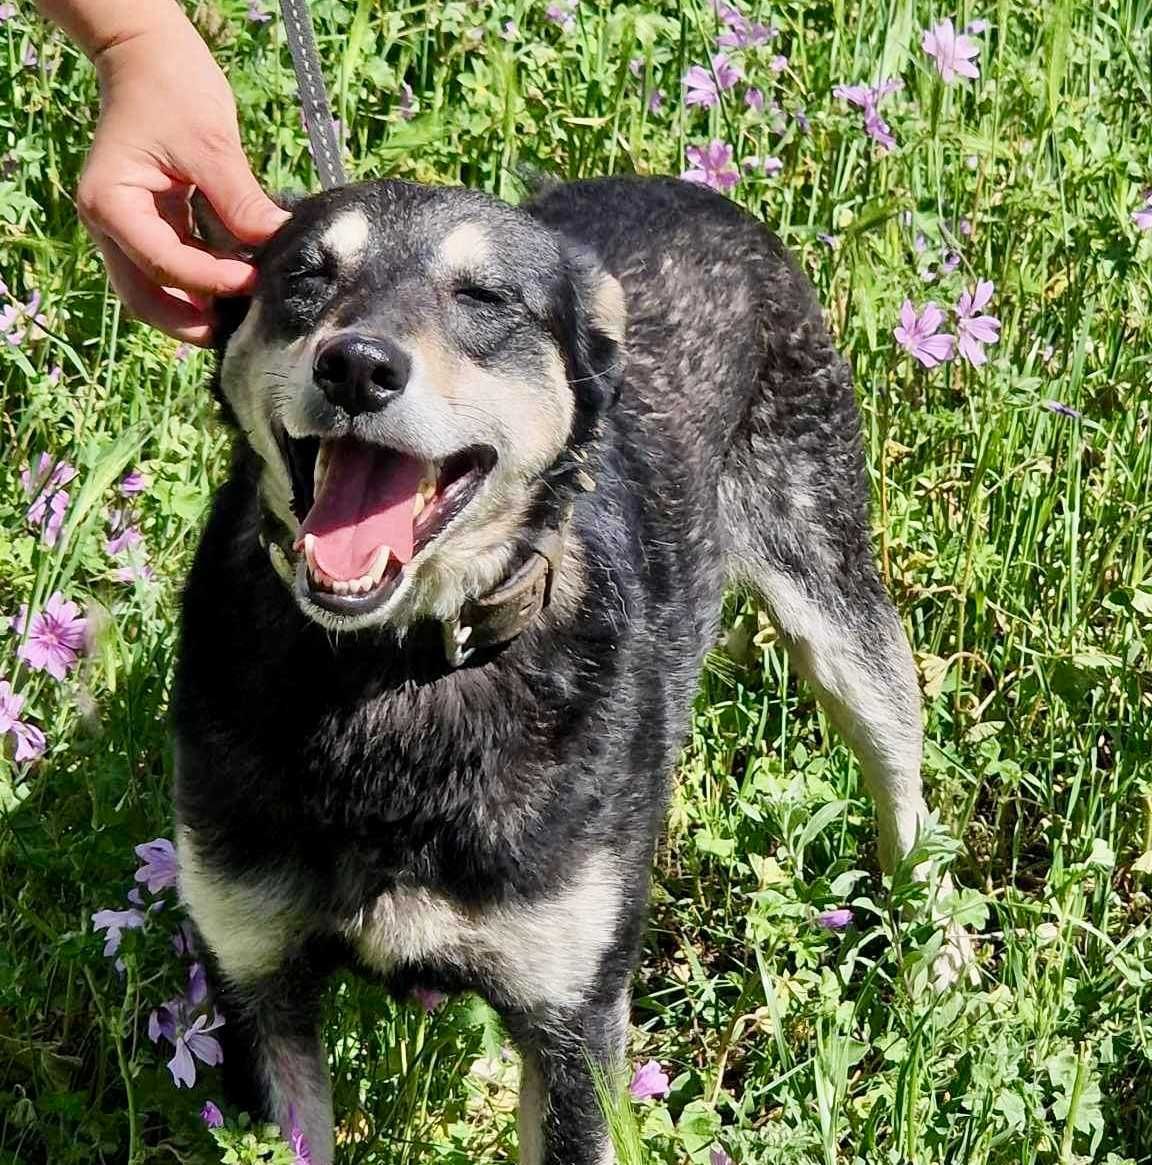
column 1013, row 510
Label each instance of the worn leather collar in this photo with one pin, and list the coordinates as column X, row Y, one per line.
column 491, row 620
column 514, row 605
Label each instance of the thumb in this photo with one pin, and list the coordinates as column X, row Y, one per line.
column 246, row 214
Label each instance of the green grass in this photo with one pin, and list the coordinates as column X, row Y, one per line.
column 1016, row 542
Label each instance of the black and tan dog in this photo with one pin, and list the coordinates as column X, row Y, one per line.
column 495, row 469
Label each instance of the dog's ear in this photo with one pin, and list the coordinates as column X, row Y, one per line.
column 230, row 311
column 211, row 230
column 596, row 327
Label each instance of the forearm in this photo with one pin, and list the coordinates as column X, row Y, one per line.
column 97, row 25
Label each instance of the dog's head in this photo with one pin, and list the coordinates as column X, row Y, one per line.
column 418, row 371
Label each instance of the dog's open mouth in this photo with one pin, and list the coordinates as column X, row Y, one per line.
column 366, row 511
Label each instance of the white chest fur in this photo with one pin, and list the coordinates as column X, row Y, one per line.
column 543, row 951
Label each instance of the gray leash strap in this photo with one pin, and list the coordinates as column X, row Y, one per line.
column 326, row 151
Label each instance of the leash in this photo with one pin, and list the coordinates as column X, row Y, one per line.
column 313, row 96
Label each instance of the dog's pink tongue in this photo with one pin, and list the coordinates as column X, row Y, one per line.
column 365, row 502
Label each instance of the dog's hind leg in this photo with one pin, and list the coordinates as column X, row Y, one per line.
column 795, row 499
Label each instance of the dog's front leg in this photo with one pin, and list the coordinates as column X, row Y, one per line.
column 275, row 1066
column 266, row 973
column 562, row 1121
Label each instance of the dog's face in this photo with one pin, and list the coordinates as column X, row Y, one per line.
column 416, row 366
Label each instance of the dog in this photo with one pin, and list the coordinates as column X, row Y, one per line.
column 494, row 469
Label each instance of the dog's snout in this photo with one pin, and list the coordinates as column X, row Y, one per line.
column 361, row 374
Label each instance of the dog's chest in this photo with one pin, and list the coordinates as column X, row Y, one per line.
column 542, row 950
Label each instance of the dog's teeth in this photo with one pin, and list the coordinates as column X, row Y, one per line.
column 379, row 566
column 417, row 505
column 309, row 544
column 320, row 470
column 340, row 586
column 427, row 487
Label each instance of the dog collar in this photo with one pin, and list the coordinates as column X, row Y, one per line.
column 491, row 620
column 512, row 607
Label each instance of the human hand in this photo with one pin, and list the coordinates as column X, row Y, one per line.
column 167, row 125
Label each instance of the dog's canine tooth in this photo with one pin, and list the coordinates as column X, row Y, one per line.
column 417, row 505
column 427, row 486
column 380, row 565
column 309, row 544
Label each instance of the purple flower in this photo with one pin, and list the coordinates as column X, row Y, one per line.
column 114, row 923
column 137, row 572
column 773, row 166
column 160, row 869
column 561, row 13
column 1063, row 410
column 1143, row 217
column 428, row 998
column 741, row 33
column 408, row 106
column 649, row 1080
column 54, row 638
column 7, row 11
column 510, row 31
column 952, row 53
column 718, row 1157
column 863, row 96
column 976, row 27
column 197, row 985
column 712, row 166
column 29, row 60
column 836, row 919
column 133, row 483
column 778, row 63
column 192, row 1044
column 754, row 99
column 636, row 67
column 55, row 374
column 868, row 98
column 184, row 941
column 878, row 129
column 950, row 263
column 182, row 352
column 703, row 87
column 964, row 226
column 830, row 241
column 256, row 13
column 173, row 1021
column 655, row 100
column 49, row 500
column 162, row 1020
column 127, row 539
column 917, row 335
column 297, row 1141
column 802, row 121
column 211, row 1115
column 27, row 740
column 973, row 329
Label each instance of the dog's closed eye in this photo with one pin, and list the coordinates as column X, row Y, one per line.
column 479, row 295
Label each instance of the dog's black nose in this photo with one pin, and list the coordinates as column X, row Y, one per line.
column 361, row 374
